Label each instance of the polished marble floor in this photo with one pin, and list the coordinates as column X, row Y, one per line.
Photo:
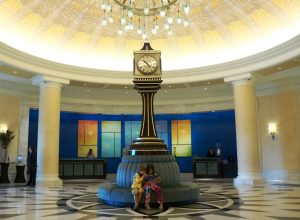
column 218, row 200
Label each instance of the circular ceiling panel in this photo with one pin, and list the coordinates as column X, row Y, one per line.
column 70, row 32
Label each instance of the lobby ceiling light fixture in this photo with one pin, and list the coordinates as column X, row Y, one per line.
column 145, row 17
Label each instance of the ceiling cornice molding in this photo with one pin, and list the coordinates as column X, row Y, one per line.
column 278, row 54
column 292, row 72
column 128, row 109
column 217, row 97
column 289, row 84
column 268, row 58
column 7, row 77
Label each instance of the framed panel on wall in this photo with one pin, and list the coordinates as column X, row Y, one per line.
column 111, row 139
column 132, row 131
column 181, row 138
column 87, row 137
column 162, row 130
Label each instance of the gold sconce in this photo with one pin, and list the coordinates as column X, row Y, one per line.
column 272, row 130
column 3, row 128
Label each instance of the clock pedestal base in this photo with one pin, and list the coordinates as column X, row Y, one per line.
column 148, row 146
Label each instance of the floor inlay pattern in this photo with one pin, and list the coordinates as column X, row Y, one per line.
column 216, row 201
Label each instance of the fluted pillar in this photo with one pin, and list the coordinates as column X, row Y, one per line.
column 248, row 153
column 48, row 129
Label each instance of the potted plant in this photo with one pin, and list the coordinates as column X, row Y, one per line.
column 5, row 139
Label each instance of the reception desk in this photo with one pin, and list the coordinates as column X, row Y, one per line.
column 82, row 169
column 213, row 168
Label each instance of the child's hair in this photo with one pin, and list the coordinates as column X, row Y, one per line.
column 150, row 166
column 140, row 167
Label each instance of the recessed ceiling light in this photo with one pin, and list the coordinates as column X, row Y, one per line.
column 166, row 91
column 88, row 90
column 205, row 88
column 84, row 84
column 126, row 92
column 169, row 86
column 208, row 83
column 125, row 87
column 15, row 72
column 280, row 68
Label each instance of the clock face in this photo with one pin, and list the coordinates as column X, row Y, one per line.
column 147, row 64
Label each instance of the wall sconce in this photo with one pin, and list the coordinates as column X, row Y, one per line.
column 3, row 127
column 272, row 130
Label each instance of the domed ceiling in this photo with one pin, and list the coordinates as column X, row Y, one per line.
column 70, row 32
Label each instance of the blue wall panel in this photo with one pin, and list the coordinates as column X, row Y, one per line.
column 208, row 128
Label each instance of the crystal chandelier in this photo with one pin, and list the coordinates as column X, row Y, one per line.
column 145, row 17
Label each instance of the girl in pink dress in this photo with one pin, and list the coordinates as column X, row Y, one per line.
column 151, row 181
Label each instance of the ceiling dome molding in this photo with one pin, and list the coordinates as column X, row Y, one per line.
column 276, row 55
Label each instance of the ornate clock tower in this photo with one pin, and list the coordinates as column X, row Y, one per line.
column 147, row 80
column 148, row 148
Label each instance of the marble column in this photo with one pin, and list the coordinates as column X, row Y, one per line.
column 48, row 129
column 246, row 121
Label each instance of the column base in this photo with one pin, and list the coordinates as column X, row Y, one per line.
column 48, row 180
column 282, row 175
column 248, row 179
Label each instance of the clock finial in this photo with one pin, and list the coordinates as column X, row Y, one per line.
column 147, row 46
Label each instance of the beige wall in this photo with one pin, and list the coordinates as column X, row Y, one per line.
column 280, row 157
column 10, row 115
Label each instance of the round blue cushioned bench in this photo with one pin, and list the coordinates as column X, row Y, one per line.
column 185, row 193
column 174, row 192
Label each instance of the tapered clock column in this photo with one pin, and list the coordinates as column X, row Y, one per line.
column 48, row 129
column 248, row 154
column 148, row 142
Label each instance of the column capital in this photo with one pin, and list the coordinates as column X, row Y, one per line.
column 241, row 79
column 49, row 81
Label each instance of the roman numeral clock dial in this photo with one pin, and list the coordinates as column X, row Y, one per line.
column 147, row 64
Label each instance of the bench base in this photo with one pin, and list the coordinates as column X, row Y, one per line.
column 184, row 193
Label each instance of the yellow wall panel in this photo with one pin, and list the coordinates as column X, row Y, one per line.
column 174, row 132
column 184, row 132
column 81, row 129
column 91, row 133
column 181, row 138
column 87, row 137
